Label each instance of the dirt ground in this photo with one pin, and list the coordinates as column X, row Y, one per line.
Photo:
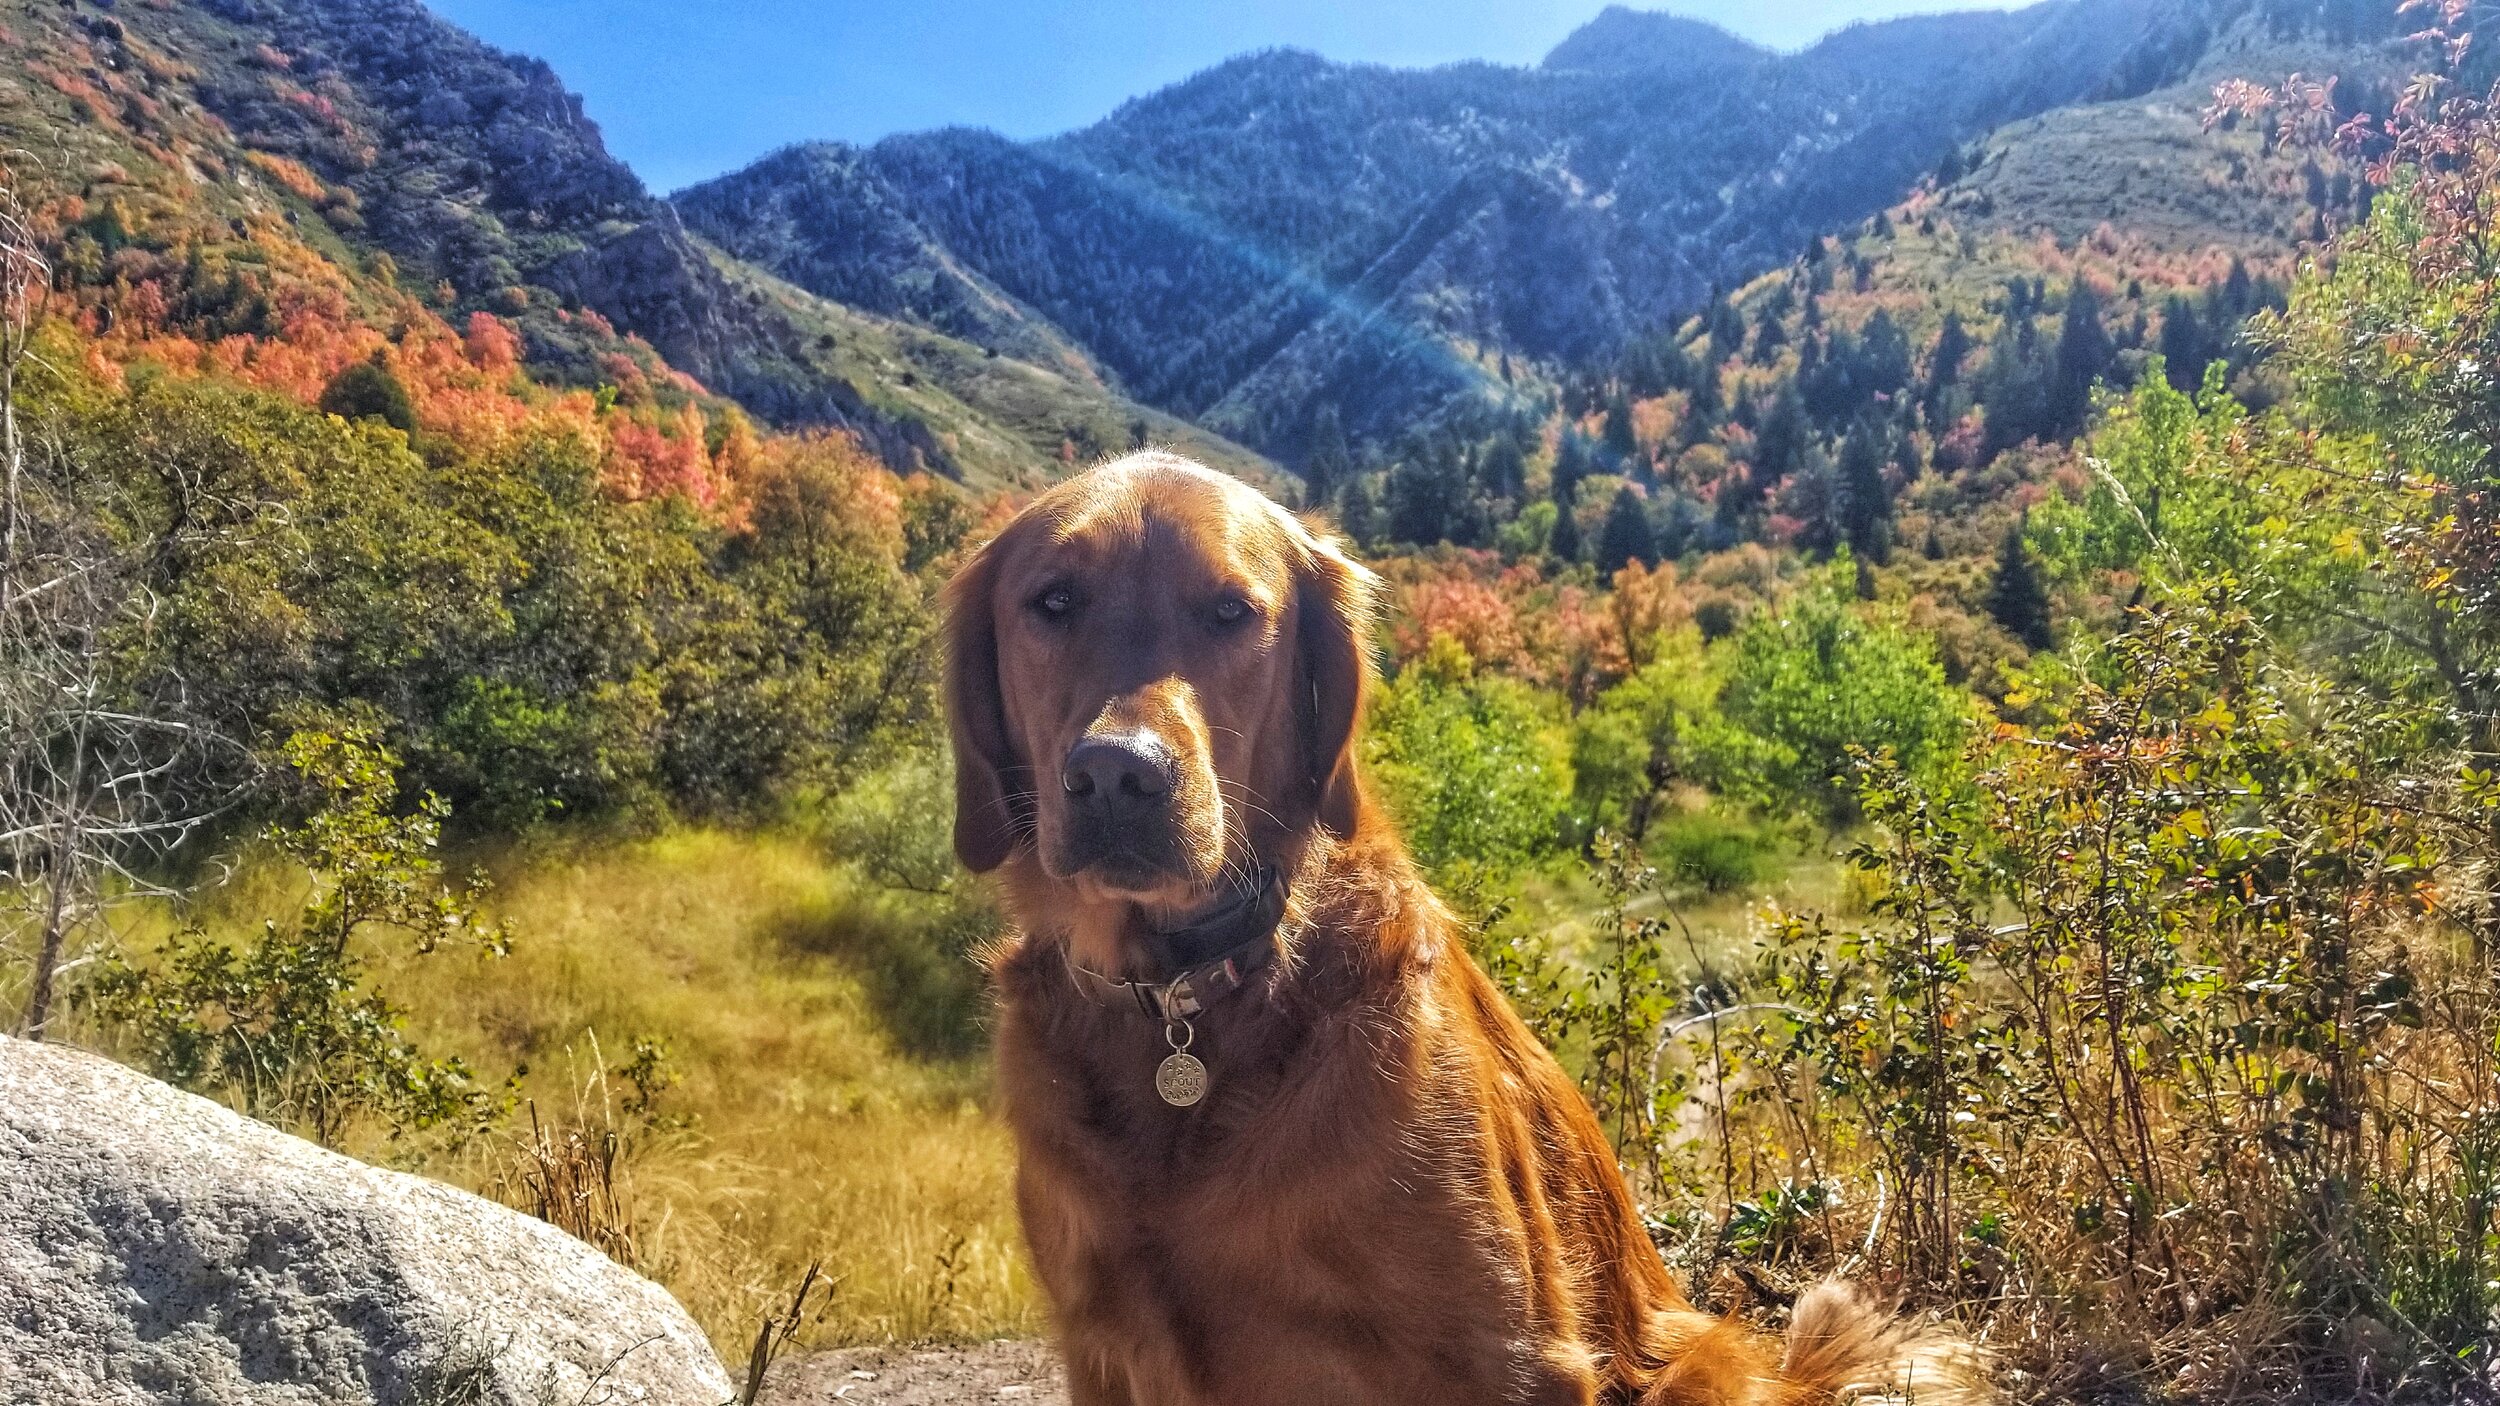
column 1011, row 1373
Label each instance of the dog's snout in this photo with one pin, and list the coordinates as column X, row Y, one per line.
column 1121, row 775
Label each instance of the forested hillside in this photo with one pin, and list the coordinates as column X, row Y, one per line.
column 420, row 164
column 1283, row 234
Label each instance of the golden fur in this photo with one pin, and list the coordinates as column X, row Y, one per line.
column 1391, row 1193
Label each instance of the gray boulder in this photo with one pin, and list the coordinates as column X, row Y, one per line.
column 157, row 1247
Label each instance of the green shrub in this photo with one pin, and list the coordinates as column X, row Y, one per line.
column 370, row 390
column 1813, row 683
column 1476, row 767
column 525, row 640
column 1641, row 736
column 1713, row 851
column 286, row 1025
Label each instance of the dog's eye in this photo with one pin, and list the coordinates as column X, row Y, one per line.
column 1055, row 603
column 1231, row 610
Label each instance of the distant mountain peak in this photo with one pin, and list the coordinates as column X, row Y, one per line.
column 1625, row 40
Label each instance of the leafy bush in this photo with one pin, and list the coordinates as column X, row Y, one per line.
column 1808, row 684
column 286, row 1025
column 368, row 390
column 1712, row 851
column 1641, row 736
column 1476, row 767
column 527, row 641
column 2158, row 1024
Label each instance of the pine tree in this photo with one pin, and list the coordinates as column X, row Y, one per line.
column 1883, row 356
column 1329, row 462
column 2014, row 387
column 1704, row 384
column 1865, row 506
column 1781, row 447
column 1627, row 536
column 1358, row 511
column 1727, row 331
column 2084, row 352
column 1503, row 471
column 1621, row 444
column 1565, row 543
column 2184, row 346
column 1953, row 344
column 1571, row 464
column 2016, row 598
column 1767, row 342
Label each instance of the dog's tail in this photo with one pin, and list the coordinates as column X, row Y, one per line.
column 1843, row 1348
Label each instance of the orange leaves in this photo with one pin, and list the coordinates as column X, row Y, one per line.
column 1556, row 635
column 1647, row 604
column 491, row 345
column 657, row 460
column 812, row 481
column 293, row 175
column 1463, row 607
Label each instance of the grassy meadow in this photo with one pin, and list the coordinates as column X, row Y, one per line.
column 821, row 1095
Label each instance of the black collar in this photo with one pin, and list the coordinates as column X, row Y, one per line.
column 1242, row 936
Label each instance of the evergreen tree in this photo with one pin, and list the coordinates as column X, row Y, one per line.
column 1767, row 341
column 1503, row 471
column 1565, row 543
column 2185, row 347
column 2016, row 598
column 1358, row 511
column 2239, row 291
column 1703, row 381
column 1627, row 535
column 2084, row 353
column 1727, row 331
column 1621, row 444
column 1427, row 499
column 1953, row 344
column 2014, row 387
column 1865, row 507
column 1571, row 464
column 1329, row 462
column 1780, row 447
column 1883, row 356
column 370, row 390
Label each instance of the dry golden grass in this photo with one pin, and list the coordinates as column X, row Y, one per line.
column 799, row 1128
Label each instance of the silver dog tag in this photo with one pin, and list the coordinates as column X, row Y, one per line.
column 1181, row 1079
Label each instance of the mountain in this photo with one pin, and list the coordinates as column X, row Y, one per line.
column 1282, row 233
column 1622, row 40
column 389, row 141
column 1225, row 264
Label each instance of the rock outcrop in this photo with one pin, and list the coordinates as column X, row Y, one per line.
column 156, row 1247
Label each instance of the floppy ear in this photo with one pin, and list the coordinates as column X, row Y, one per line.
column 991, row 815
column 1335, row 609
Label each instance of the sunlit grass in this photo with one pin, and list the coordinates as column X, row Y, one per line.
column 829, row 1090
column 800, row 1128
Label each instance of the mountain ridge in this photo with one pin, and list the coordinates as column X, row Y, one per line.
column 1281, row 232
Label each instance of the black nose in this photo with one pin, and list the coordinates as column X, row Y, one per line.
column 1120, row 776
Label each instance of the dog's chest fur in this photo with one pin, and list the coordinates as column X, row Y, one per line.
column 1307, row 1194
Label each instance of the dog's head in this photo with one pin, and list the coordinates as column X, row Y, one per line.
column 1153, row 674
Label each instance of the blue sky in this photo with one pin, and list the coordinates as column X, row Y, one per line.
column 686, row 89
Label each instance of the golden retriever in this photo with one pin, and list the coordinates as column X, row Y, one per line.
column 1281, row 1141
